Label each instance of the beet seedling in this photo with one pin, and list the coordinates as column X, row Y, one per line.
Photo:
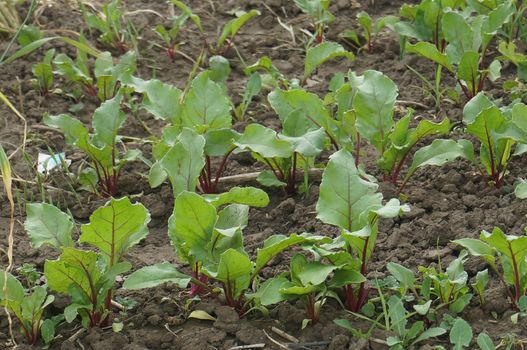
column 88, row 277
column 501, row 133
column 355, row 207
column 101, row 81
column 321, row 18
column 28, row 308
column 43, row 73
column 210, row 240
column 115, row 31
column 506, row 256
column 370, row 31
column 467, row 40
column 100, row 147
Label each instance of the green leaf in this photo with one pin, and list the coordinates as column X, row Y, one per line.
column 264, row 141
column 311, row 113
column 374, row 104
column 468, row 69
column 430, row 51
column 402, row 274
column 184, row 161
column 234, row 269
column 151, row 276
column 192, row 225
column 422, row 309
column 187, row 11
column 438, row 153
column 309, row 272
column 268, row 178
column 397, row 315
column 206, row 106
column 310, row 144
column 345, row 277
column 278, row 243
column 218, row 142
column 220, row 69
column 345, row 197
column 160, row 99
column 251, row 196
column 14, row 290
column 460, row 334
column 233, row 26
column 115, row 228
column 477, row 247
column 74, row 267
column 473, row 107
column 485, row 342
column 268, row 293
column 46, row 224
column 520, row 191
column 431, row 332
column 321, row 53
column 47, row 331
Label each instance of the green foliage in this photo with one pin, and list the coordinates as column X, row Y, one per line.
column 28, row 308
column 114, row 30
column 461, row 44
column 369, row 30
column 170, row 35
column 210, row 240
column 460, row 334
column 397, row 321
column 318, row 55
column 499, row 132
column 100, row 147
column 102, row 80
column 321, row 18
column 355, row 207
column 43, row 73
column 507, row 251
column 88, row 277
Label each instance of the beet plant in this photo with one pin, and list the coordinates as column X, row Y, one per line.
column 102, row 147
column 88, row 276
column 366, row 38
column 501, row 132
column 102, row 80
column 371, row 100
column 28, row 308
column 206, row 232
column 506, row 256
column 114, row 30
column 43, row 72
column 318, row 12
column 467, row 40
column 355, row 207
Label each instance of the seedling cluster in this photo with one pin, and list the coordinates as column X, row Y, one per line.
column 345, row 133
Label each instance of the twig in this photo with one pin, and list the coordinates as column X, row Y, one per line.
column 252, row 346
column 76, row 335
column 315, row 174
column 412, row 103
column 308, row 345
column 80, row 344
column 118, row 306
column 171, row 331
column 285, row 335
column 280, row 345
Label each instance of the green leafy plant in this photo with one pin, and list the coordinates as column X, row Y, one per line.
column 466, row 41
column 460, row 334
column 28, row 308
column 9, row 20
column 115, row 31
column 370, row 31
column 210, row 240
column 308, row 282
column 507, row 252
column 43, row 73
column 355, row 207
column 30, row 273
column 100, row 147
column 88, row 277
column 103, row 81
column 371, row 103
column 321, row 18
column 170, row 35
column 500, row 132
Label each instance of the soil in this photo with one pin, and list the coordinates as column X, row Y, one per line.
column 447, row 203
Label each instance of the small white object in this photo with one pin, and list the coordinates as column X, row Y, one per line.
column 47, row 162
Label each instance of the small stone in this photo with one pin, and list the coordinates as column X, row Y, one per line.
column 343, row 4
column 435, row 254
column 284, row 66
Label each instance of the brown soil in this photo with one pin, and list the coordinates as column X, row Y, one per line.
column 447, row 203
